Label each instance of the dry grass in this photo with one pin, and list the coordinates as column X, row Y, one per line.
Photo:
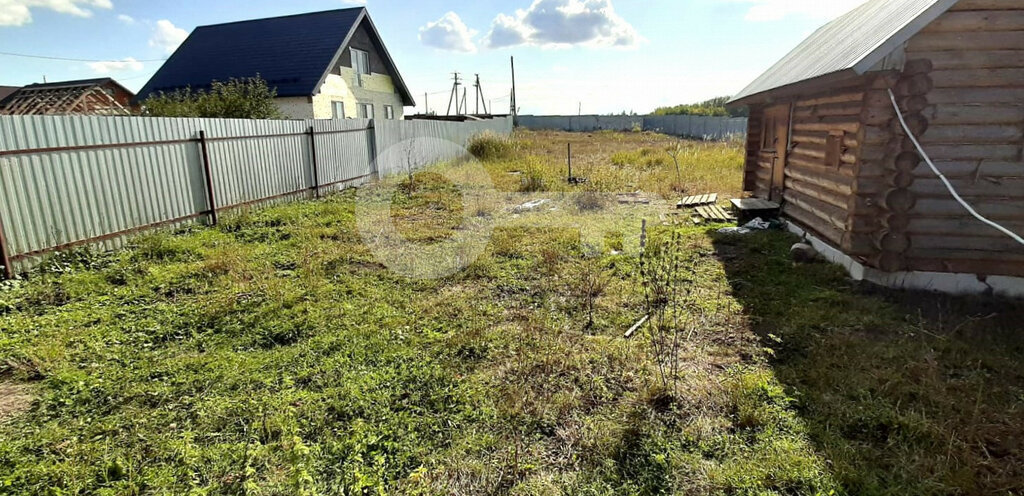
column 623, row 162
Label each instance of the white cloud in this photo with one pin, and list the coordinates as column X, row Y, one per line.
column 127, row 19
column 128, row 64
column 167, row 36
column 449, row 33
column 563, row 23
column 777, row 10
column 19, row 12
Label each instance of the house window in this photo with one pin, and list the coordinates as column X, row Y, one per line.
column 389, row 112
column 338, row 109
column 365, row 111
column 361, row 64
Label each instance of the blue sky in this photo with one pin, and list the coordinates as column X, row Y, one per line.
column 602, row 55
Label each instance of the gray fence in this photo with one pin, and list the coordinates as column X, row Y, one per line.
column 67, row 181
column 687, row 126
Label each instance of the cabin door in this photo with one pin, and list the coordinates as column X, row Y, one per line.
column 775, row 147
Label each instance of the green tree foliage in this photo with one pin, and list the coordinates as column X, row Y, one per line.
column 714, row 107
column 248, row 98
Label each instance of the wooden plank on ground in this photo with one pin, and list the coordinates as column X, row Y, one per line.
column 693, row 201
column 715, row 213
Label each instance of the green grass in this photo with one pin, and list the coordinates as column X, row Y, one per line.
column 274, row 354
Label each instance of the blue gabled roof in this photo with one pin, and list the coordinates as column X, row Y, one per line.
column 293, row 54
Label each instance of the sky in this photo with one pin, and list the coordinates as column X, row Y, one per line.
column 571, row 56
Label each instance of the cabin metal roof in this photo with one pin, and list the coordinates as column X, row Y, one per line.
column 853, row 43
column 293, row 54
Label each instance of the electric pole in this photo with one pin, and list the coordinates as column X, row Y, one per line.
column 455, row 95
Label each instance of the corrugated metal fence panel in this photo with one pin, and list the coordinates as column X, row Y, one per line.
column 416, row 144
column 687, row 126
column 60, row 198
column 344, row 156
column 248, row 170
column 56, row 198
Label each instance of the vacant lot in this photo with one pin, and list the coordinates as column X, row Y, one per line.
column 274, row 354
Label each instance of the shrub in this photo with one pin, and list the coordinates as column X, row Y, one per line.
column 490, row 146
column 247, row 98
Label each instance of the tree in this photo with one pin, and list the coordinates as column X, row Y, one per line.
column 713, row 107
column 247, row 98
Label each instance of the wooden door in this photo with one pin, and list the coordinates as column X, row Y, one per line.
column 775, row 146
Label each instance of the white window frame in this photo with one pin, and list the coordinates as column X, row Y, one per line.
column 389, row 112
column 360, row 64
column 365, row 110
column 335, row 106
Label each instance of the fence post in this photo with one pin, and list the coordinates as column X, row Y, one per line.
column 371, row 131
column 207, row 171
column 5, row 254
column 316, row 170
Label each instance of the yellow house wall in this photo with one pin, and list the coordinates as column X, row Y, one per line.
column 377, row 89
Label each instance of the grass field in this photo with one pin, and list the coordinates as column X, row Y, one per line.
column 274, row 354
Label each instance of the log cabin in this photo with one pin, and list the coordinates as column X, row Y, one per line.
column 825, row 140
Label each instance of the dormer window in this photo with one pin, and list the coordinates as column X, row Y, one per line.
column 361, row 64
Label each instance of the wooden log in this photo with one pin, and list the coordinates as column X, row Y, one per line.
column 815, row 152
column 821, row 139
column 816, row 225
column 986, row 5
column 960, row 226
column 917, row 85
column 855, row 96
column 875, row 135
column 834, row 216
column 962, row 96
column 968, row 134
column 917, row 123
column 851, row 109
column 947, row 114
column 896, row 222
column 963, row 152
column 892, row 241
column 847, row 126
column 822, row 178
column 907, row 161
column 978, row 78
column 934, row 42
column 878, row 116
column 915, row 66
column 817, row 192
column 1012, row 20
column 952, row 242
column 974, row 59
column 992, row 208
column 899, row 200
column 902, row 179
column 974, row 170
column 1007, row 189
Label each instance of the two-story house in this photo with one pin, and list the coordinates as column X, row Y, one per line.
column 323, row 65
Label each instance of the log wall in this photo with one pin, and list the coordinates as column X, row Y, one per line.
column 971, row 122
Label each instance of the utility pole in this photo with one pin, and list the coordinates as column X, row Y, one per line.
column 465, row 106
column 426, row 104
column 514, row 108
column 455, row 95
column 480, row 95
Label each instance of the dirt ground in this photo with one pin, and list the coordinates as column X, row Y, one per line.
column 15, row 399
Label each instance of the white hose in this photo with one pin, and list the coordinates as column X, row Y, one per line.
column 945, row 181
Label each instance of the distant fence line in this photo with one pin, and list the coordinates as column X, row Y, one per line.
column 687, row 126
column 67, row 181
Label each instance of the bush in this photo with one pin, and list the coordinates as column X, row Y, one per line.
column 490, row 146
column 248, row 98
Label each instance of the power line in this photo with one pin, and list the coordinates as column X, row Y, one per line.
column 65, row 59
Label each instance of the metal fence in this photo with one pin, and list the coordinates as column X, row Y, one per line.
column 67, row 181
column 687, row 126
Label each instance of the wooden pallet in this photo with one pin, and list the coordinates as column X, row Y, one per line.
column 715, row 213
column 693, row 201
